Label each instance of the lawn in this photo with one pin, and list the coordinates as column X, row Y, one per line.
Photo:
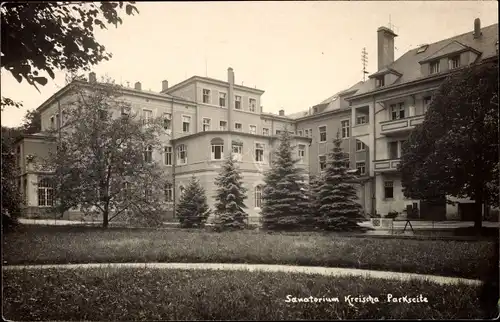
column 112, row 294
column 57, row 245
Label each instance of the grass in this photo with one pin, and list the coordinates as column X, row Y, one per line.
column 112, row 294
column 59, row 245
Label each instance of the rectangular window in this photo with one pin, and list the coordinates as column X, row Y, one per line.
column 360, row 146
column 265, row 131
column 237, row 102
column 147, row 116
column 167, row 121
column 322, row 133
column 182, row 154
column 302, row 153
column 361, row 167
column 278, row 132
column 380, row 81
column 427, row 103
column 397, row 111
column 345, row 129
column 253, row 129
column 259, row 152
column 252, row 104
column 186, row 121
column 299, row 132
column 237, row 149
column 148, row 194
column 45, row 193
column 434, row 67
column 217, row 152
column 167, row 158
column 361, row 120
column 58, row 125
column 401, row 144
column 206, row 96
column 169, row 193
column 393, row 150
column 52, row 124
column 222, row 99
column 125, row 110
column 310, row 133
column 306, row 132
column 454, row 62
column 389, row 189
column 206, row 124
column 258, row 197
column 238, row 127
column 223, row 125
column 148, row 154
column 322, row 162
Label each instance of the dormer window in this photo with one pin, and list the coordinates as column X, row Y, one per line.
column 379, row 81
column 454, row 62
column 422, row 48
column 315, row 110
column 434, row 67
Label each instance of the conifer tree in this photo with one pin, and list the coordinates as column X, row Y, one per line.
column 284, row 199
column 314, row 213
column 337, row 194
column 193, row 209
column 229, row 200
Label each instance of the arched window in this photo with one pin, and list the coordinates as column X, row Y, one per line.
column 45, row 192
column 258, row 196
column 217, row 148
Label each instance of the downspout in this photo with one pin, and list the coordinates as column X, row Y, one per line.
column 174, row 158
column 374, row 181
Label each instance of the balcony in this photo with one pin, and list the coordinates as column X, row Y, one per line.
column 401, row 125
column 388, row 165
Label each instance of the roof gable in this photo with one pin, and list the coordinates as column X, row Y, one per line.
column 450, row 48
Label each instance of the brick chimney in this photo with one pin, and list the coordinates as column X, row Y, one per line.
column 477, row 28
column 281, row 112
column 92, row 77
column 138, row 85
column 164, row 85
column 385, row 47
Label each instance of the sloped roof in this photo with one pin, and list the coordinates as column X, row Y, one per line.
column 408, row 64
column 329, row 104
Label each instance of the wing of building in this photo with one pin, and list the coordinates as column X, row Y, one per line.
column 207, row 118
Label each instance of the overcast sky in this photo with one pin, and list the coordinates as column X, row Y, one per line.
column 299, row 53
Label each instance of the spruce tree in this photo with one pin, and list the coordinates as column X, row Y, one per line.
column 229, row 200
column 193, row 209
column 337, row 194
column 314, row 213
column 284, row 199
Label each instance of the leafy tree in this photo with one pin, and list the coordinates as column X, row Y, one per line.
column 229, row 200
column 193, row 209
column 284, row 199
column 49, row 36
column 337, row 194
column 11, row 196
column 103, row 162
column 32, row 122
column 454, row 152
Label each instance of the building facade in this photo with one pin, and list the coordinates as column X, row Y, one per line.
column 207, row 118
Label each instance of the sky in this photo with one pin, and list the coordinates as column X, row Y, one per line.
column 299, row 53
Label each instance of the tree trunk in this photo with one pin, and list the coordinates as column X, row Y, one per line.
column 105, row 216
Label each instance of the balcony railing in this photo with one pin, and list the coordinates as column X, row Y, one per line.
column 400, row 125
column 388, row 165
